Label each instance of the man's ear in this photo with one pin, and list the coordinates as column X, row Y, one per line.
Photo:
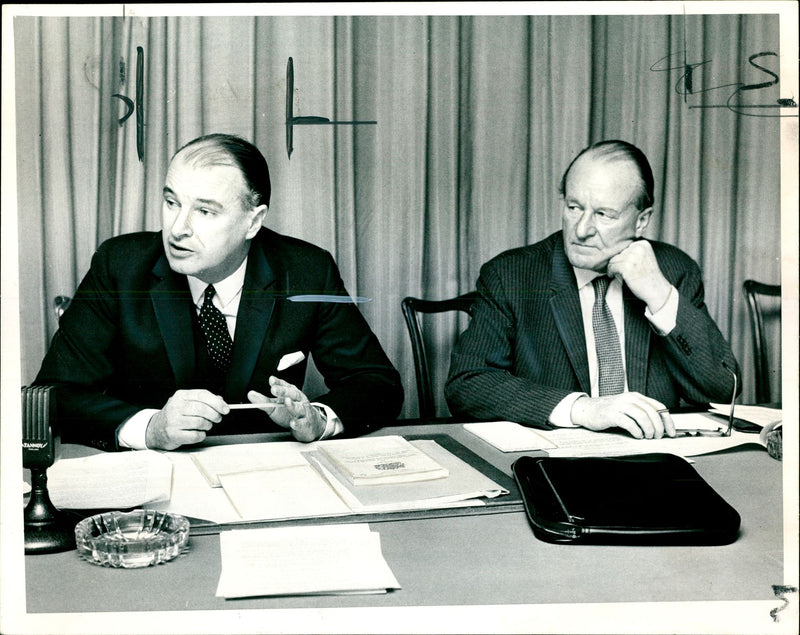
column 643, row 220
column 257, row 215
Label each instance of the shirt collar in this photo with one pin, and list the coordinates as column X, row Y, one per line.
column 227, row 289
column 584, row 276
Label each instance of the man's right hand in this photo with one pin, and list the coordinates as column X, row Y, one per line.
column 186, row 418
column 641, row 416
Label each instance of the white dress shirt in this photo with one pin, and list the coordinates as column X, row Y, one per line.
column 132, row 433
column 662, row 321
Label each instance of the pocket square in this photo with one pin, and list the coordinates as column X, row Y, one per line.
column 290, row 359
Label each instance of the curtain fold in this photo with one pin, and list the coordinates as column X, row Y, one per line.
column 477, row 117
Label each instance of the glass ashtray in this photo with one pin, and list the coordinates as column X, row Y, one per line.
column 140, row 538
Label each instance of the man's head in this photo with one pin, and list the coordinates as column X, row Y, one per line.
column 215, row 198
column 607, row 193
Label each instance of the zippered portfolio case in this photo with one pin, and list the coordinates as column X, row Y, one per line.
column 648, row 499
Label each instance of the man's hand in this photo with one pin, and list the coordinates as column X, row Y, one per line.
column 642, row 417
column 294, row 412
column 638, row 268
column 186, row 418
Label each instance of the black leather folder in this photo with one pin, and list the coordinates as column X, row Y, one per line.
column 649, row 499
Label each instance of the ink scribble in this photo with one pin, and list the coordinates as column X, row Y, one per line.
column 687, row 85
column 129, row 105
column 780, row 592
column 136, row 105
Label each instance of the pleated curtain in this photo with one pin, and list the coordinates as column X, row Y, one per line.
column 477, row 118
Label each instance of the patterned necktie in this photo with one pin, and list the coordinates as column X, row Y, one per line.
column 215, row 330
column 606, row 342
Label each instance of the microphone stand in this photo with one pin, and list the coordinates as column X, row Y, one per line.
column 47, row 530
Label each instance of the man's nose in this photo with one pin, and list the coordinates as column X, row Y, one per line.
column 181, row 225
column 585, row 226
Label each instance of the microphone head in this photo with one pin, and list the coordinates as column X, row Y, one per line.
column 37, row 435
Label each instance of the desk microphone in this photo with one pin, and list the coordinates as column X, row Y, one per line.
column 46, row 529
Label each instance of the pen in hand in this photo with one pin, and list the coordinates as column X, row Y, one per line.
column 250, row 406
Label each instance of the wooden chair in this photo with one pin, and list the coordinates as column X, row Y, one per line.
column 753, row 291
column 60, row 304
column 412, row 308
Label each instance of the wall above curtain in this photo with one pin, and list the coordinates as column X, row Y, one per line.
column 478, row 116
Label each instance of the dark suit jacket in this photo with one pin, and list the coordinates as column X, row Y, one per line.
column 525, row 349
column 128, row 340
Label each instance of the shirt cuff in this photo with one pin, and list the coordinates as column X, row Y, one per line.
column 132, row 433
column 665, row 319
column 333, row 425
column 560, row 417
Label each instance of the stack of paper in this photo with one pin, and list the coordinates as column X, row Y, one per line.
column 464, row 485
column 759, row 415
column 303, row 482
column 312, row 560
column 617, row 442
column 112, row 480
column 577, row 442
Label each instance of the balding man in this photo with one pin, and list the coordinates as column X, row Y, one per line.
column 594, row 326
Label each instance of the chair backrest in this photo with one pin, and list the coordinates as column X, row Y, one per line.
column 60, row 304
column 752, row 292
column 412, row 308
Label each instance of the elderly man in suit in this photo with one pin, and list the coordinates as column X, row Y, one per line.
column 169, row 329
column 594, row 326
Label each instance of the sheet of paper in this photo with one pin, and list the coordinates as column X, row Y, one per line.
column 582, row 442
column 288, row 492
column 317, row 559
column 112, row 480
column 508, row 436
column 246, row 457
column 754, row 414
column 192, row 496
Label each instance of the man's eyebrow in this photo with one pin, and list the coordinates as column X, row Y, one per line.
column 200, row 201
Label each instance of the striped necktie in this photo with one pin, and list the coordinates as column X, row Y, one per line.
column 606, row 342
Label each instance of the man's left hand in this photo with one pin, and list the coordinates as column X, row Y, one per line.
column 294, row 411
column 638, row 268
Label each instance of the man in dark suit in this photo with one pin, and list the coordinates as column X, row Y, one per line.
column 169, row 329
column 541, row 348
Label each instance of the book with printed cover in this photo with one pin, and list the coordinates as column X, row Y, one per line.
column 381, row 460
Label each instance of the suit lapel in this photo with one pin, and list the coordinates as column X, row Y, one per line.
column 566, row 308
column 172, row 304
column 255, row 311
